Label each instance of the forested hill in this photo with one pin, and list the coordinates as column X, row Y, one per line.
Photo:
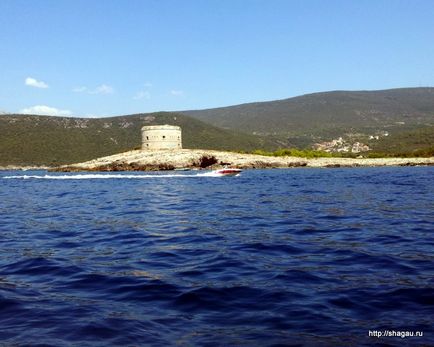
column 328, row 113
column 390, row 121
column 46, row 140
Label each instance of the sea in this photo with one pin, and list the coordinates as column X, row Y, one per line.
column 277, row 257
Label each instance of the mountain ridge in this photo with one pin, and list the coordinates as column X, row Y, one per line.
column 339, row 108
column 48, row 140
column 406, row 114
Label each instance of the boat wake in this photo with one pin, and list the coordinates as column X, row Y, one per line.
column 111, row 176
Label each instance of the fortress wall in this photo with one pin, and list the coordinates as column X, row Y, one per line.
column 161, row 137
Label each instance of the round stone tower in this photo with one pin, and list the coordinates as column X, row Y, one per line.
column 161, row 137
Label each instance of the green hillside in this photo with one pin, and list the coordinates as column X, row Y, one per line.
column 306, row 119
column 390, row 121
column 45, row 140
column 416, row 142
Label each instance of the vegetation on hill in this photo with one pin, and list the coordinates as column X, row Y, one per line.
column 293, row 152
column 397, row 122
column 418, row 142
column 45, row 140
column 308, row 119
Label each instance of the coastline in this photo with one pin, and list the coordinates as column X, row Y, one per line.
column 155, row 160
column 23, row 168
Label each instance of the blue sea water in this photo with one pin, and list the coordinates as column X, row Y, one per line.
column 294, row 257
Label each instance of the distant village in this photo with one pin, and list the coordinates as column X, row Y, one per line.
column 346, row 146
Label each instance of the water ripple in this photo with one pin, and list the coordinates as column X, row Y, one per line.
column 304, row 257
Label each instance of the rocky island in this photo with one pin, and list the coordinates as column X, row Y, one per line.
column 151, row 160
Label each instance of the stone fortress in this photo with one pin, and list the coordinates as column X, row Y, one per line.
column 161, row 137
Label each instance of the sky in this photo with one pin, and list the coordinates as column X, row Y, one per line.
column 95, row 58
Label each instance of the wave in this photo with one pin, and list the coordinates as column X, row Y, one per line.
column 111, row 176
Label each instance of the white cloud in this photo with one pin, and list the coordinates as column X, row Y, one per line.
column 102, row 89
column 79, row 89
column 177, row 92
column 34, row 83
column 92, row 115
column 46, row 111
column 143, row 94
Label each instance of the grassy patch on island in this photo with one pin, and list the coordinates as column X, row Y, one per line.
column 293, row 152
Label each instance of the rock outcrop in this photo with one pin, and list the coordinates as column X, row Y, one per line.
column 139, row 160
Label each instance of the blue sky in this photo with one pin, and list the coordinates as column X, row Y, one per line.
column 110, row 57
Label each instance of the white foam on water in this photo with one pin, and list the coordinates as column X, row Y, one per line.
column 110, row 176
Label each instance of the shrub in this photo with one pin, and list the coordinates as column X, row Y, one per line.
column 293, row 152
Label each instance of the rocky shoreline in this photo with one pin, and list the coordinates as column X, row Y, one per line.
column 138, row 160
column 23, row 168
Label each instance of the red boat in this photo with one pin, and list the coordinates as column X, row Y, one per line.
column 228, row 172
